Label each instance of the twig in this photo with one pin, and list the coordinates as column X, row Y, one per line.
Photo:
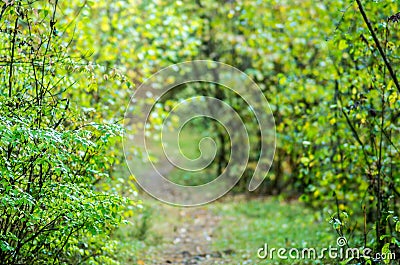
column 52, row 27
column 10, row 77
column 378, row 45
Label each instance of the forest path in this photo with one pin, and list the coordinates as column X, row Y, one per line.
column 187, row 235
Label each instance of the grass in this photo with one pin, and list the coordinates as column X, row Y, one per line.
column 249, row 224
column 245, row 225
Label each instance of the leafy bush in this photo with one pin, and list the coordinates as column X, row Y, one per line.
column 329, row 76
column 52, row 153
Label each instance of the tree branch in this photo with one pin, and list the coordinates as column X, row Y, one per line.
column 378, row 45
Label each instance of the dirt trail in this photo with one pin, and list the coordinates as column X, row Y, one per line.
column 188, row 237
column 187, row 233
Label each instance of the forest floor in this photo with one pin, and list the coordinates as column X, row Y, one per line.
column 227, row 231
column 187, row 234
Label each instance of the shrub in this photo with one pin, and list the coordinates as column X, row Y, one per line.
column 51, row 153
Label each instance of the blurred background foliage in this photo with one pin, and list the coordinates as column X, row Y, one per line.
column 69, row 67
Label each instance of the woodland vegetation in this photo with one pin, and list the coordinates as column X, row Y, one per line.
column 329, row 70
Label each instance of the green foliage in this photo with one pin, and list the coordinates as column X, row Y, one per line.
column 362, row 154
column 334, row 98
column 327, row 68
column 52, row 154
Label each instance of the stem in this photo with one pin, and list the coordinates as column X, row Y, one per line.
column 52, row 26
column 10, row 77
column 365, row 226
column 378, row 45
column 379, row 180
